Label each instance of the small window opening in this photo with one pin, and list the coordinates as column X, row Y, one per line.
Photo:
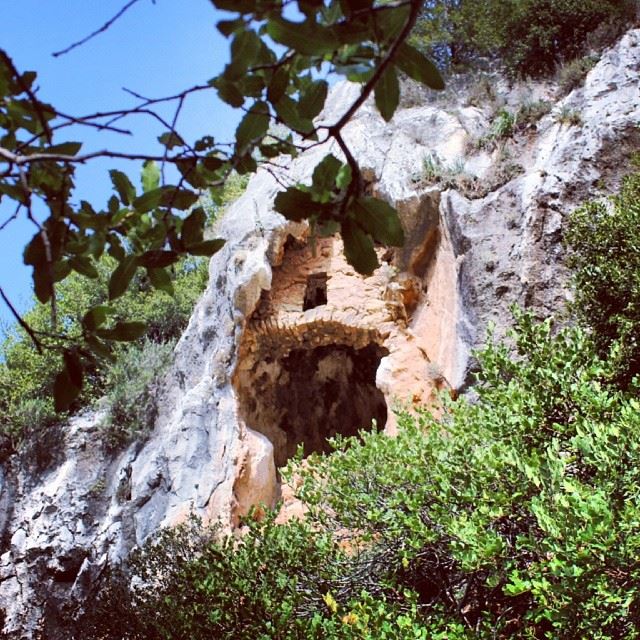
column 315, row 294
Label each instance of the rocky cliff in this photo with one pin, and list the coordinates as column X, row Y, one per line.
column 289, row 345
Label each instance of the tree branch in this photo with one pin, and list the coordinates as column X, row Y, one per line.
column 102, row 29
column 21, row 322
column 416, row 5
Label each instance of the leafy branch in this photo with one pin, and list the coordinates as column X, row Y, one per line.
column 276, row 75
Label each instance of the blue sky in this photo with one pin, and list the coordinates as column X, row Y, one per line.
column 155, row 49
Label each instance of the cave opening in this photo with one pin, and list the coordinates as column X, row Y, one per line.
column 308, row 395
column 315, row 294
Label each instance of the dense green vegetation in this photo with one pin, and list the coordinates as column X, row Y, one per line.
column 530, row 37
column 516, row 515
column 27, row 377
column 606, row 262
column 127, row 373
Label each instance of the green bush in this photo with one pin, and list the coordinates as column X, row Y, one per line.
column 131, row 384
column 27, row 377
column 516, row 516
column 571, row 74
column 605, row 240
column 530, row 37
column 276, row 581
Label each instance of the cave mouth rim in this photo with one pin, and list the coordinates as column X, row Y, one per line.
column 366, row 401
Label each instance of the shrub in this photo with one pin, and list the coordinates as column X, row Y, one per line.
column 569, row 117
column 27, row 377
column 604, row 237
column 572, row 74
column 448, row 176
column 518, row 516
column 530, row 37
column 132, row 384
column 276, row 581
column 502, row 128
column 530, row 112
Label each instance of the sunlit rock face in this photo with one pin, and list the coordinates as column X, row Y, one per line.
column 289, row 346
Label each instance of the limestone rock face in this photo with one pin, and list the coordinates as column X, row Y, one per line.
column 289, row 346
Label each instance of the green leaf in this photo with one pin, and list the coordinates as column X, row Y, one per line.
column 244, row 50
column 287, row 111
column 253, row 126
column 64, row 149
column 74, row 367
column 150, row 176
column 95, row 317
column 239, row 6
column 149, row 200
column 325, row 174
column 278, row 85
column 206, row 248
column 391, row 21
column 387, row 93
column 123, row 186
column 15, row 192
column 171, row 139
column 64, row 391
column 99, row 348
column 349, row 6
column 193, row 227
column 124, row 331
column 157, row 258
column 121, row 276
column 379, row 219
column 343, row 179
column 327, row 228
column 358, row 248
column 212, row 163
column 178, row 198
column 84, row 265
column 228, row 92
column 35, row 252
column 42, row 284
column 417, row 66
column 227, row 27
column 312, row 100
column 294, row 204
column 60, row 270
column 311, row 40
column 246, row 164
column 190, row 171
column 161, row 280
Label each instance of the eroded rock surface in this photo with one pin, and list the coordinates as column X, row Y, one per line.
column 276, row 316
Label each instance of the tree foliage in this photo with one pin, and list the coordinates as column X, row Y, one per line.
column 604, row 236
column 530, row 37
column 277, row 74
column 27, row 378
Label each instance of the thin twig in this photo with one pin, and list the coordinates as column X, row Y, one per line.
column 11, row 218
column 102, row 29
column 172, row 132
column 21, row 322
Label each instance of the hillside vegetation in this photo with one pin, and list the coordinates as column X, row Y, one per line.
column 124, row 379
column 527, row 37
column 512, row 515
